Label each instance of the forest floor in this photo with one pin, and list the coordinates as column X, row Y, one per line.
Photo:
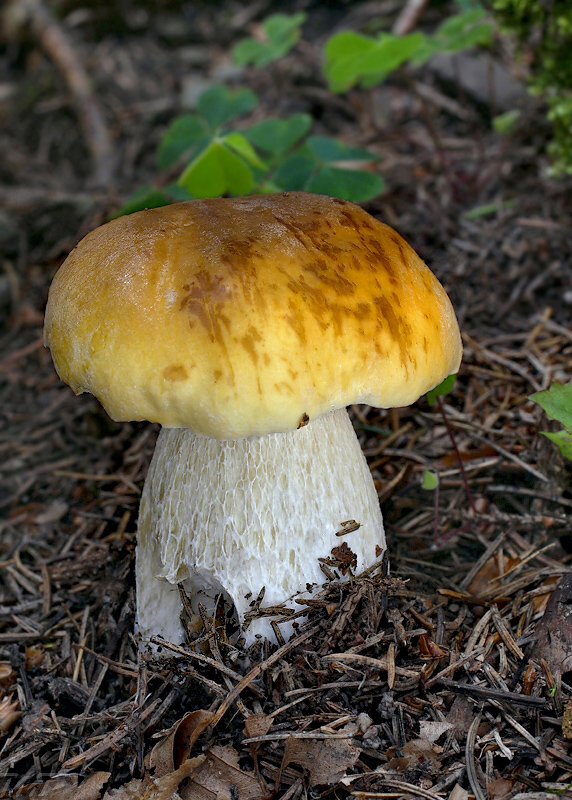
column 443, row 676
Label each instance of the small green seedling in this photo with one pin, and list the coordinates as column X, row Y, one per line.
column 280, row 33
column 215, row 158
column 505, row 123
column 442, row 389
column 557, row 403
column 430, row 480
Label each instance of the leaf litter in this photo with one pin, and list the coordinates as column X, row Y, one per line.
column 445, row 677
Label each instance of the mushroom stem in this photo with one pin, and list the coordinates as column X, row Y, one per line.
column 232, row 517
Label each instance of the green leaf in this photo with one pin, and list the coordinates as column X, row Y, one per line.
column 357, row 186
column 430, row 480
column 331, row 150
column 178, row 193
column 215, row 172
column 557, row 403
column 563, row 440
column 425, row 51
column 281, row 32
column 237, row 142
column 460, row 31
column 488, row 208
column 281, row 28
column 367, row 59
column 443, row 388
column 204, row 176
column 390, row 53
column 343, row 52
column 505, row 123
column 352, row 58
column 294, row 172
column 346, row 45
column 251, row 51
column 277, row 136
column 184, row 133
column 219, row 105
column 239, row 178
column 466, row 5
column 146, row 197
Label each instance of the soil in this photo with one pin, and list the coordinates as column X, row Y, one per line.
column 430, row 676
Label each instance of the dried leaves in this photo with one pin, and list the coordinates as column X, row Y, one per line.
column 324, row 762
column 66, row 787
column 419, row 659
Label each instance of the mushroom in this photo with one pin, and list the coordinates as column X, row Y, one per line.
column 245, row 326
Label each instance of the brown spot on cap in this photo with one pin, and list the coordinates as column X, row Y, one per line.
column 175, row 373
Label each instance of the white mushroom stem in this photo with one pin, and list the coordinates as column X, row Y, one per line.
column 232, row 517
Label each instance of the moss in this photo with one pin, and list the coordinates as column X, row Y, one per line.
column 544, row 31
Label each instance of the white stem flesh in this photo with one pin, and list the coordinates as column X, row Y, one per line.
column 236, row 516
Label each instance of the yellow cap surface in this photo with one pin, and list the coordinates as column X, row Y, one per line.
column 235, row 317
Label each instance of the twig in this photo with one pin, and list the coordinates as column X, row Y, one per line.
column 497, row 487
column 203, row 659
column 257, row 670
column 24, row 198
column 469, row 427
column 404, row 788
column 495, row 694
column 408, row 17
column 371, row 663
column 470, row 758
column 58, row 46
column 457, row 453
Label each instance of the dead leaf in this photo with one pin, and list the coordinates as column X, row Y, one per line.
column 134, row 790
column 540, row 601
column 52, row 513
column 452, row 459
column 433, row 729
column 257, row 725
column 500, row 788
column 162, row 788
column 461, row 715
column 9, row 713
column 481, row 583
column 422, row 751
column 34, row 657
column 343, row 557
column 65, row 787
column 553, row 639
column 166, row 786
column 7, row 674
column 221, row 778
column 175, row 748
column 428, row 648
column 459, row 793
column 36, row 717
column 326, row 760
column 567, row 720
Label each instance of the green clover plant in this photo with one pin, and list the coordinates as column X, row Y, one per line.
column 354, row 59
column 216, row 158
column 280, row 33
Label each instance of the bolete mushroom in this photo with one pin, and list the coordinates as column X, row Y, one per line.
column 245, row 327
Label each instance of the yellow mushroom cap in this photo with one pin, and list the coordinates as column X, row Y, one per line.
column 243, row 316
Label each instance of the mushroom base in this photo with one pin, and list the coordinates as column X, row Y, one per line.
column 233, row 517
